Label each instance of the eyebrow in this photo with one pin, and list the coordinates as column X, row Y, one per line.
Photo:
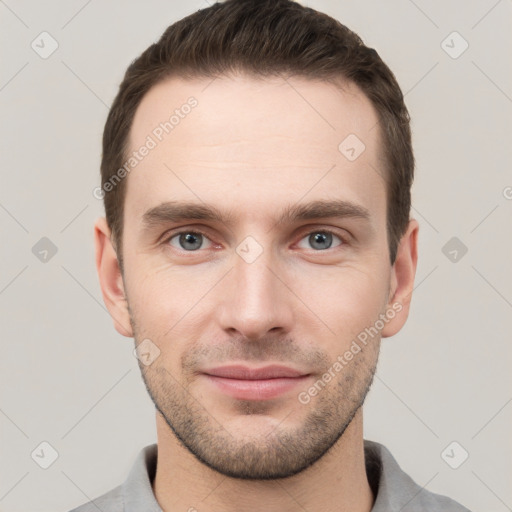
column 175, row 211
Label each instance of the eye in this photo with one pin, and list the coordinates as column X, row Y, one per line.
column 193, row 241
column 321, row 240
column 189, row 241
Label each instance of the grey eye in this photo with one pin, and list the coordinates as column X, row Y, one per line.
column 321, row 240
column 187, row 240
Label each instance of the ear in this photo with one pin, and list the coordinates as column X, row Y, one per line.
column 402, row 279
column 111, row 279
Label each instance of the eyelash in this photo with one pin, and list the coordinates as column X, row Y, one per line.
column 344, row 239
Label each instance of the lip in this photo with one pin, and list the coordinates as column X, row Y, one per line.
column 244, row 383
column 241, row 372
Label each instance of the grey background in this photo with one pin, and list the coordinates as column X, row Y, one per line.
column 69, row 379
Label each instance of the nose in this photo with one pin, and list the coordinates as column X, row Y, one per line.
column 257, row 298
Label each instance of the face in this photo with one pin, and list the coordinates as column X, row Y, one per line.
column 253, row 242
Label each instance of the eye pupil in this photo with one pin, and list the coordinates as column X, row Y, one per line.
column 321, row 238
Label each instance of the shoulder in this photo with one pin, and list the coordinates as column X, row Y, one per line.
column 111, row 501
column 395, row 490
column 135, row 493
column 435, row 502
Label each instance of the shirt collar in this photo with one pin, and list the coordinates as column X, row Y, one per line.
column 137, row 489
column 393, row 489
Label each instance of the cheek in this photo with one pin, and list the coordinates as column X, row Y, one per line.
column 157, row 299
column 169, row 304
column 346, row 299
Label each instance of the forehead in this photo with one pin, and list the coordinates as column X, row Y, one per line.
column 227, row 107
column 255, row 143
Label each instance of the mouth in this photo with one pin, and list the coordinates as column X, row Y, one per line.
column 243, row 383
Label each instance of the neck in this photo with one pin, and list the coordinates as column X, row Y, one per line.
column 337, row 481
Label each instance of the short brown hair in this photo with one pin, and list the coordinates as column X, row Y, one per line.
column 264, row 38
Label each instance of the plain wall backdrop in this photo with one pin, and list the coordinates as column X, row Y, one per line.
column 67, row 378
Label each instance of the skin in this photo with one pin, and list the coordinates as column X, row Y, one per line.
column 253, row 147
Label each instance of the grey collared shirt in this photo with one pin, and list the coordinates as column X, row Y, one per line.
column 393, row 489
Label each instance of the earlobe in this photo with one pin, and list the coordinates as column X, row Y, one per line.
column 402, row 280
column 111, row 280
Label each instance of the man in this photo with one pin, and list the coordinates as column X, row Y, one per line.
column 256, row 175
